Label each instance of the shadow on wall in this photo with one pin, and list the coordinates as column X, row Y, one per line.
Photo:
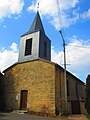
column 2, row 96
column 7, row 92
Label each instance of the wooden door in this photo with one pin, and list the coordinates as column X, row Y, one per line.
column 75, row 104
column 23, row 100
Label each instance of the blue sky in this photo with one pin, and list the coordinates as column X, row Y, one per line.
column 70, row 16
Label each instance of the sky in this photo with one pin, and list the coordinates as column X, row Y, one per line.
column 70, row 16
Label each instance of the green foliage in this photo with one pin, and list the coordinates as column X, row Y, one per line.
column 87, row 100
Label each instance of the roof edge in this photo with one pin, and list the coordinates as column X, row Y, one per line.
column 71, row 74
column 47, row 61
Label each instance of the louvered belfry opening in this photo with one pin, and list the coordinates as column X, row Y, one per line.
column 28, row 47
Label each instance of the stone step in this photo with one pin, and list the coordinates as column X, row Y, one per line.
column 20, row 111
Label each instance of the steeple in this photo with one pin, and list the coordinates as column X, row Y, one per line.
column 36, row 25
column 34, row 44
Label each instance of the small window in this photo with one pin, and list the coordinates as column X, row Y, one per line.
column 68, row 88
column 60, row 89
column 28, row 47
column 77, row 89
column 45, row 49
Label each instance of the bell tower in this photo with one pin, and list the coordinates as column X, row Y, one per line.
column 35, row 44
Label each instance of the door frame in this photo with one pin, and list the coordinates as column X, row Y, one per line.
column 23, row 99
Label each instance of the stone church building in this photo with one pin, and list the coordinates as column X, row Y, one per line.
column 35, row 83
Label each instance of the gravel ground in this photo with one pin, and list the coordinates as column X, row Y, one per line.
column 21, row 116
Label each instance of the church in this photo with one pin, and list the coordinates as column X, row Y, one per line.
column 35, row 83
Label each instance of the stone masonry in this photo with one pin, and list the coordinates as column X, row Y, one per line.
column 38, row 77
column 44, row 82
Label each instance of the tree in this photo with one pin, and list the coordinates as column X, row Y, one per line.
column 87, row 100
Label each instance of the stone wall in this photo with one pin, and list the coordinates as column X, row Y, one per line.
column 82, row 105
column 38, row 77
column 76, row 91
column 44, row 82
column 1, row 93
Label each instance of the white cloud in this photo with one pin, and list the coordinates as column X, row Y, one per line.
column 14, row 46
column 67, row 5
column 9, row 7
column 65, row 20
column 60, row 13
column 86, row 14
column 8, row 56
column 77, row 54
column 51, row 7
column 56, row 11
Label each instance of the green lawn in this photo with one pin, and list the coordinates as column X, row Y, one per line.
column 88, row 116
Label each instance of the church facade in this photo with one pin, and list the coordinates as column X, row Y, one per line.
column 35, row 83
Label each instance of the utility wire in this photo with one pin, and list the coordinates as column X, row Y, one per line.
column 79, row 46
column 73, row 46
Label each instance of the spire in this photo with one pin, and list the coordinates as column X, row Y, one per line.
column 36, row 25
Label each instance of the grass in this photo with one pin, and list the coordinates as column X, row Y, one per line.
column 88, row 116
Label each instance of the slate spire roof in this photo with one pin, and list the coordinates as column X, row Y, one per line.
column 36, row 25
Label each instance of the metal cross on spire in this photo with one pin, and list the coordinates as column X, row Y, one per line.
column 38, row 7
